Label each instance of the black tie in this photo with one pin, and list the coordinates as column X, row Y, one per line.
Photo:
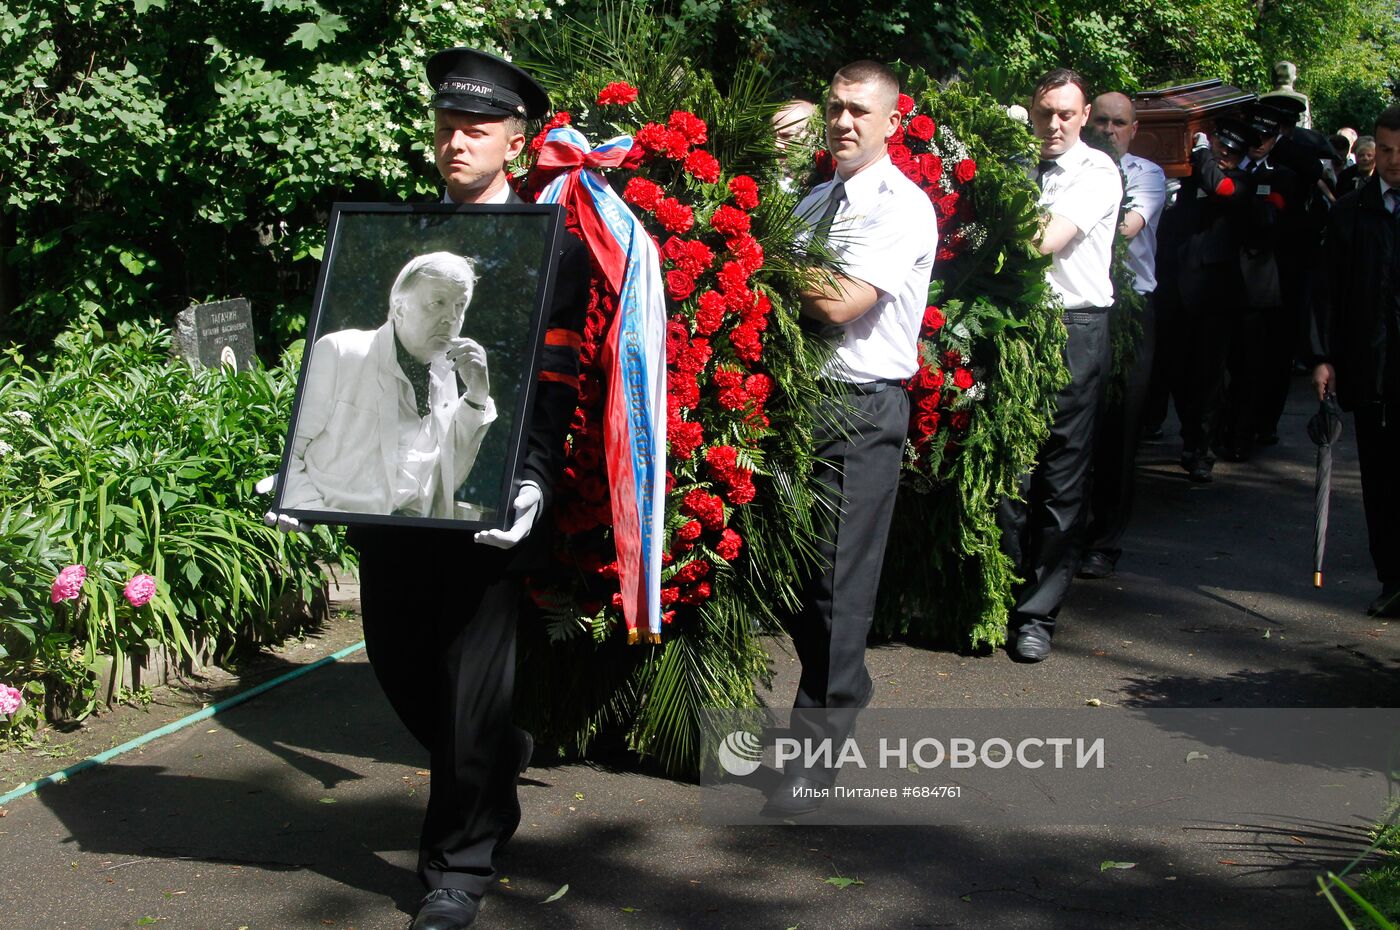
column 1045, row 165
column 837, row 194
column 1394, row 196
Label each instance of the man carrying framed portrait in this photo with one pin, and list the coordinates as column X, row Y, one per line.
column 402, row 414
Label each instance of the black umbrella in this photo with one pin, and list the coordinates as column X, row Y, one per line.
column 1325, row 428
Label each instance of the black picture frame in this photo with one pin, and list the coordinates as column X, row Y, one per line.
column 360, row 447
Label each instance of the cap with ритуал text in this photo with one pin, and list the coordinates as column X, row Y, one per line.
column 1265, row 119
column 1235, row 135
column 470, row 81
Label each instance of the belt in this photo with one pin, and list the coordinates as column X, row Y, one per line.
column 832, row 386
column 1085, row 315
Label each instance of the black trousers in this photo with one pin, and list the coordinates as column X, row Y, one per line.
column 439, row 621
column 1378, row 449
column 859, row 454
column 1042, row 531
column 1115, row 449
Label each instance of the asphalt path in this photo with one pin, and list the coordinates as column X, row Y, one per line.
column 300, row 809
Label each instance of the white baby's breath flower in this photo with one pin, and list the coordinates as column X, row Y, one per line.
column 22, row 416
column 977, row 391
column 5, row 448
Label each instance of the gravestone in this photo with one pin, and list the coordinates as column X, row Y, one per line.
column 210, row 335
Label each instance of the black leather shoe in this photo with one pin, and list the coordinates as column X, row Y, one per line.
column 796, row 794
column 510, row 816
column 1095, row 565
column 1198, row 469
column 446, row 909
column 1386, row 605
column 1032, row 645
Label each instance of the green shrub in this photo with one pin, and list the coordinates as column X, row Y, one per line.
column 123, row 461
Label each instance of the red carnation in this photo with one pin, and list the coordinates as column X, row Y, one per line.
column 676, row 145
column 931, row 166
column 747, row 251
column 747, row 345
column 685, row 390
column 921, row 127
column 689, row 531
column 933, row 320
column 731, row 393
column 705, row 507
column 962, row 378
column 679, row 285
column 691, row 571
column 965, row 171
column 703, row 165
column 643, row 193
column 758, row 387
column 739, row 298
column 695, row 357
column 745, row 191
column 674, row 215
column 652, row 137
column 729, row 545
column 669, row 595
column 733, row 276
column 689, row 125
column 906, row 104
column 696, row 593
column 727, row 221
column 710, row 314
column 618, row 93
column 742, row 491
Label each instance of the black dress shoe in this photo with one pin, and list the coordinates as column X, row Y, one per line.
column 446, row 909
column 1095, row 565
column 796, row 794
column 1032, row 644
column 1386, row 605
column 510, row 816
column 1198, row 469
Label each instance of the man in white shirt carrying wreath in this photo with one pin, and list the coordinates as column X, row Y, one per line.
column 884, row 233
column 1080, row 193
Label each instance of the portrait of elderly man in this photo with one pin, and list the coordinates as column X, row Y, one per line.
column 391, row 419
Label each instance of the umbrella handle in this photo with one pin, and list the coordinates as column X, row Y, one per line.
column 1317, row 579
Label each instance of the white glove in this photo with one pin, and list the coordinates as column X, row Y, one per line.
column 1200, row 141
column 283, row 522
column 528, row 501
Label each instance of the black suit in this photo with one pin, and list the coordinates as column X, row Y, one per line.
column 439, row 618
column 1354, row 300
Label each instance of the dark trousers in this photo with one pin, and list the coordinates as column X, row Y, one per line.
column 1115, row 449
column 859, row 453
column 1378, row 450
column 1251, row 365
column 440, row 635
column 1041, row 532
column 1207, row 410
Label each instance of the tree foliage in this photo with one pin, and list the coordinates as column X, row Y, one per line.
column 160, row 153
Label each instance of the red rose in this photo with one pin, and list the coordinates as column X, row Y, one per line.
column 929, row 378
column 745, row 191
column 729, row 545
column 944, row 255
column 921, row 127
column 965, row 171
column 933, row 320
column 900, row 155
column 643, row 193
column 674, row 215
column 932, row 167
column 947, row 205
column 727, row 221
column 929, row 402
column 689, row 125
column 952, row 358
column 906, row 104
column 927, row 424
column 962, row 419
column 701, row 164
column 823, row 165
column 897, row 136
column 911, row 170
column 962, row 378
column 618, row 93
column 679, row 285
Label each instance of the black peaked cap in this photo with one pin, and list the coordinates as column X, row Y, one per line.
column 1235, row 135
column 472, row 81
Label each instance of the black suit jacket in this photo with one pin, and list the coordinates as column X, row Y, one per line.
column 1354, row 298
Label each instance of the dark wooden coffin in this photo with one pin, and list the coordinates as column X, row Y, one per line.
column 1168, row 118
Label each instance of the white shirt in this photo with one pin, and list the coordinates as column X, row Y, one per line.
column 885, row 233
column 1145, row 195
column 1085, row 188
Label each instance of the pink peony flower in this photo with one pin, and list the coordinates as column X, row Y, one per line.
column 69, row 583
column 10, row 700
column 139, row 590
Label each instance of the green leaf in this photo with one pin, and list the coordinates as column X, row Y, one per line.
column 1107, row 864
column 563, row 890
column 841, row 881
column 145, row 921
column 326, row 800
column 142, row 6
column 310, row 35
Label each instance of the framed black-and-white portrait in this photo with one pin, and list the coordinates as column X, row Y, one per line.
column 418, row 374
